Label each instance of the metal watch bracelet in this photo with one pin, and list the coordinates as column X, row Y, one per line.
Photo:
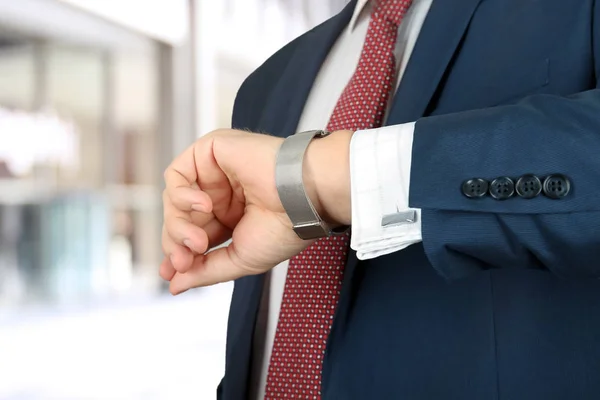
column 288, row 178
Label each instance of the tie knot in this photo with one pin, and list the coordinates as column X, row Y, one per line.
column 391, row 10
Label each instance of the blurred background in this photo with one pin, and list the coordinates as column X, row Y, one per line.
column 96, row 98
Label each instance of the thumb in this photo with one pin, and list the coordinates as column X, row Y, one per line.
column 216, row 266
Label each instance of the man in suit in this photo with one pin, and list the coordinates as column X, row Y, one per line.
column 464, row 157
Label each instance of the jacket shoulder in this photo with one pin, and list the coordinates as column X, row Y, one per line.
column 254, row 91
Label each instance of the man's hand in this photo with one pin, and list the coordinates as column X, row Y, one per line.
column 223, row 187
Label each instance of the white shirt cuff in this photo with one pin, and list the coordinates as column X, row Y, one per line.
column 380, row 162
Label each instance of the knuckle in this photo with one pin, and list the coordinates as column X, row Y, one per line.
column 167, row 210
column 177, row 227
column 167, row 173
column 167, row 244
column 170, row 225
column 176, row 197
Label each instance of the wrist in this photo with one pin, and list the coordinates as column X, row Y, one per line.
column 327, row 177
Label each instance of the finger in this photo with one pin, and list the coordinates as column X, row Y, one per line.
column 179, row 252
column 200, row 215
column 182, row 230
column 181, row 257
column 185, row 233
column 217, row 232
column 218, row 266
column 198, row 219
column 190, row 199
column 166, row 270
column 182, row 171
column 215, row 183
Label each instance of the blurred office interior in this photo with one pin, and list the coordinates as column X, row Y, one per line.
column 96, row 98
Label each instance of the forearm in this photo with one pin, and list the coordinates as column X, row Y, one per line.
column 327, row 177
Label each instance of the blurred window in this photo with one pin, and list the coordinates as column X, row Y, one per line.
column 79, row 173
column 17, row 73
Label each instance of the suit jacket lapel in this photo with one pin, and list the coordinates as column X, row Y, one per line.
column 287, row 101
column 440, row 36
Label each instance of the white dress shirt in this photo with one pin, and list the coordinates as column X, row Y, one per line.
column 380, row 161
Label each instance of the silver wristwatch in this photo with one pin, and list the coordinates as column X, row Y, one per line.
column 288, row 177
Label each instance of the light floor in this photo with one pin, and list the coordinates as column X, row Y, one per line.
column 161, row 349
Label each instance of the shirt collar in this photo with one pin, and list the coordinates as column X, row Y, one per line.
column 362, row 10
column 358, row 13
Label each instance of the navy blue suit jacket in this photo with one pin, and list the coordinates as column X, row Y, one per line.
column 502, row 298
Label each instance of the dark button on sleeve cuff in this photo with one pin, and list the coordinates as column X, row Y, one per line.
column 556, row 186
column 502, row 188
column 475, row 188
column 528, row 186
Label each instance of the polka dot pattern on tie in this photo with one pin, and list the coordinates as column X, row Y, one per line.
column 314, row 279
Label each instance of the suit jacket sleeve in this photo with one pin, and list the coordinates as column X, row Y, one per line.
column 541, row 135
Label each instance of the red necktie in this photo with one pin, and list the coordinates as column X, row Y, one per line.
column 314, row 277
